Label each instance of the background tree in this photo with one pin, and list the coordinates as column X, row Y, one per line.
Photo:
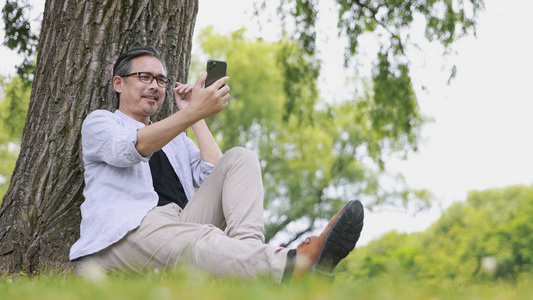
column 19, row 36
column 15, row 95
column 388, row 109
column 311, row 162
column 14, row 99
column 485, row 239
column 390, row 24
column 79, row 42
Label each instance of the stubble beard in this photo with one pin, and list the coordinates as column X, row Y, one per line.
column 153, row 107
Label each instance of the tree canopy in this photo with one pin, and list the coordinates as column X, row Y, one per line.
column 20, row 37
column 14, row 100
column 310, row 164
column 486, row 238
column 389, row 23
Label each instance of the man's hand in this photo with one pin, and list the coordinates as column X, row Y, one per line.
column 202, row 102
column 195, row 104
column 182, row 94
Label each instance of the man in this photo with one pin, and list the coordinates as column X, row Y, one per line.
column 141, row 210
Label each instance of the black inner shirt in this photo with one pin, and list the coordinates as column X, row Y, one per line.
column 166, row 182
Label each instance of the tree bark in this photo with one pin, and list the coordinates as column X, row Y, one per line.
column 79, row 42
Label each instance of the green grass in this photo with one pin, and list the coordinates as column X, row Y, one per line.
column 183, row 286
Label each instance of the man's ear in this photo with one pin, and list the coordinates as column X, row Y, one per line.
column 117, row 83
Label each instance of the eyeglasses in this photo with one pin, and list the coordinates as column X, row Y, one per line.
column 148, row 78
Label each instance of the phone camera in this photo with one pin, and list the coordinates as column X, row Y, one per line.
column 211, row 65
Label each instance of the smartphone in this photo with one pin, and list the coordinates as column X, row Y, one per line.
column 216, row 69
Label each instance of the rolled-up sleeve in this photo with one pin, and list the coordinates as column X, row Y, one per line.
column 104, row 140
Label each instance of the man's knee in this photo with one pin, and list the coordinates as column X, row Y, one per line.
column 242, row 153
column 240, row 156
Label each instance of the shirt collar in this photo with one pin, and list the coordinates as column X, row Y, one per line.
column 129, row 120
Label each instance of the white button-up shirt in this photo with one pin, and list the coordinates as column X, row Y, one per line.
column 118, row 182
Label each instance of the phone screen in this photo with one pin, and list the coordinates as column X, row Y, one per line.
column 216, row 69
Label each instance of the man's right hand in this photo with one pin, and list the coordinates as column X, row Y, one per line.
column 203, row 103
column 207, row 102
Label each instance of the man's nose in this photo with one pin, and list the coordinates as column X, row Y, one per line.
column 153, row 85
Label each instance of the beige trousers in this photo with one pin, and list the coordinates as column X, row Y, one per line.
column 221, row 230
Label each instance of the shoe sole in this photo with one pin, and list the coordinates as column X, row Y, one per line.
column 341, row 238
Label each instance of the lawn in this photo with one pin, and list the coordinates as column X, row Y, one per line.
column 186, row 285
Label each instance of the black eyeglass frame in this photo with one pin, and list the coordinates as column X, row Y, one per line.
column 167, row 80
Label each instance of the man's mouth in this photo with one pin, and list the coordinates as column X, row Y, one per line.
column 151, row 97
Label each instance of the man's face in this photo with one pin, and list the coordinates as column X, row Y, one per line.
column 137, row 99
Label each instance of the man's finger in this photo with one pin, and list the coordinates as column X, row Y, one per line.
column 188, row 88
column 201, row 80
column 221, row 82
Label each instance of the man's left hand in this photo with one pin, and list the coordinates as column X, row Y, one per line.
column 183, row 94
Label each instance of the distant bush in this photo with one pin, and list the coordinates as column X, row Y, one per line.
column 485, row 239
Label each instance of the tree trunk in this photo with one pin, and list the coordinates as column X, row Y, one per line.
column 79, row 42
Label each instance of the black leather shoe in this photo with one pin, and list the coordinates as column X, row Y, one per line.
column 320, row 255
